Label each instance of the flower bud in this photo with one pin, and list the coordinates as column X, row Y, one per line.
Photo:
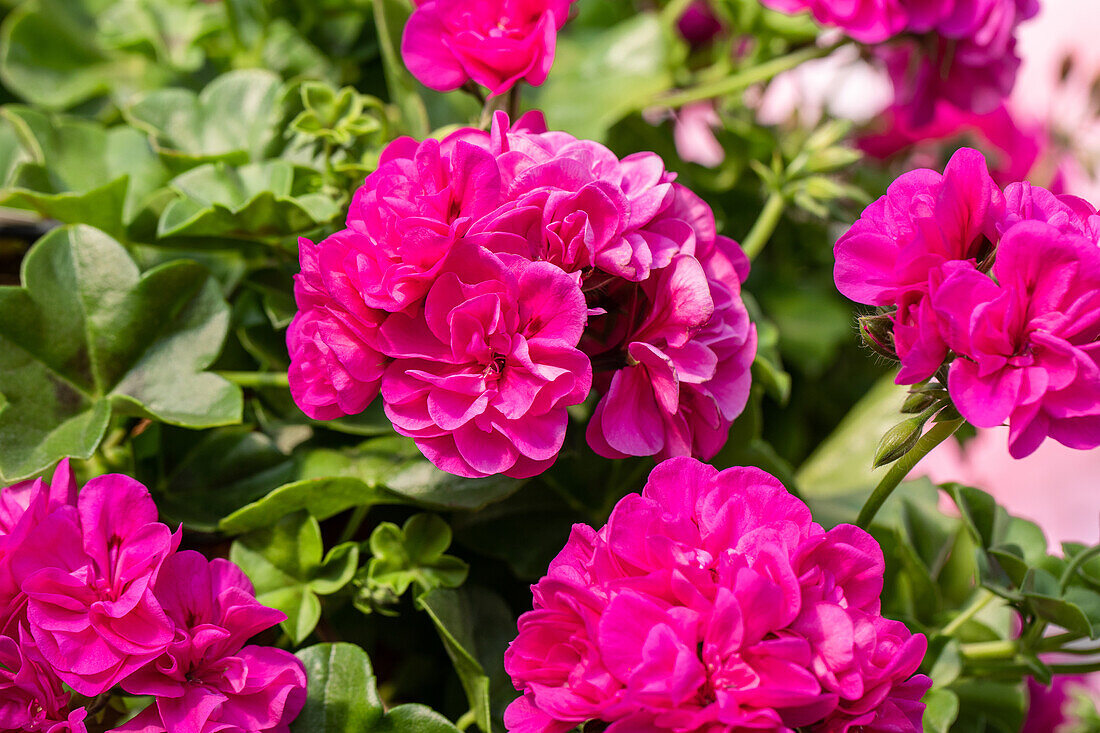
column 878, row 334
column 900, row 439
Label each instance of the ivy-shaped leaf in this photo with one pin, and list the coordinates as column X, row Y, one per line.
column 231, row 120
column 88, row 334
column 78, row 172
column 338, row 117
column 414, row 553
column 285, row 564
column 343, row 697
column 321, row 497
column 255, row 200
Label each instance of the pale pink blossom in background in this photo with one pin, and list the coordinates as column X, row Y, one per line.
column 1064, row 30
column 1056, row 487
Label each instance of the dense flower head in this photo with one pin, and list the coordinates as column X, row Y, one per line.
column 207, row 680
column 495, row 43
column 712, row 602
column 96, row 595
column 959, row 51
column 999, row 285
column 487, row 281
column 895, row 253
column 87, row 572
column 1028, row 340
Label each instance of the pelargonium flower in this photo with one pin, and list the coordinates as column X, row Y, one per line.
column 894, row 254
column 207, row 680
column 869, row 21
column 1024, row 202
column 576, row 204
column 405, row 218
column 713, row 602
column 88, row 572
column 495, row 43
column 484, row 370
column 23, row 506
column 1027, row 344
column 335, row 365
column 31, row 695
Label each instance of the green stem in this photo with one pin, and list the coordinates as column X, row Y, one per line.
column 1057, row 642
column 355, row 521
column 466, row 720
column 939, row 433
column 256, row 379
column 743, row 79
column 765, row 225
column 1076, row 563
column 670, row 14
column 987, row 650
column 970, row 612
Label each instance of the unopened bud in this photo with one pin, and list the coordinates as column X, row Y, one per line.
column 918, row 402
column 878, row 335
column 900, row 439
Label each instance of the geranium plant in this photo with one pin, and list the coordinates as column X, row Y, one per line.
column 435, row 365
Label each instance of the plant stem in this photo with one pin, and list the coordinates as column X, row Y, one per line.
column 765, row 225
column 670, row 14
column 256, row 379
column 355, row 521
column 1076, row 563
column 466, row 720
column 988, row 650
column 939, row 433
column 969, row 612
column 743, row 79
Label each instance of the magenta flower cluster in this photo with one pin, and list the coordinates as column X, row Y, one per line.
column 1004, row 285
column 484, row 283
column 712, row 602
column 94, row 594
column 494, row 43
column 960, row 51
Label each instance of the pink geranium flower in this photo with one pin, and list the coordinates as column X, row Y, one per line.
column 495, row 43
column 88, row 574
column 335, row 365
column 713, row 602
column 894, row 254
column 23, row 506
column 207, row 681
column 484, row 370
column 869, row 21
column 31, row 696
column 1027, row 343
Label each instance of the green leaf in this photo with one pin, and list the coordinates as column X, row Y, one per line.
column 284, row 563
column 414, row 554
column 87, row 334
column 79, row 172
column 453, row 619
column 1043, row 594
column 343, row 697
column 941, row 709
column 1001, row 706
column 600, row 76
column 232, row 119
column 255, row 200
column 321, row 497
column 52, row 56
column 943, row 661
column 842, row 463
column 226, row 470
